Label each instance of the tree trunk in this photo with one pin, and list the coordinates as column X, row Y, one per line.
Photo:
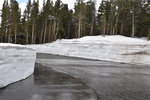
column 27, row 36
column 45, row 31
column 5, row 38
column 111, row 29
column 79, row 28
column 133, row 23
column 122, row 24
column 34, row 39
column 0, row 38
column 55, row 29
column 108, row 28
column 92, row 25
column 104, row 31
column 9, row 37
column 49, row 32
column 33, row 25
column 41, row 37
column 15, row 36
column 113, row 32
column 115, row 27
column 68, row 31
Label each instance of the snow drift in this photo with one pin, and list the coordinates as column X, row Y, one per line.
column 16, row 63
column 110, row 48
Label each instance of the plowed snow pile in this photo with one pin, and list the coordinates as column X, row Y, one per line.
column 110, row 48
column 16, row 63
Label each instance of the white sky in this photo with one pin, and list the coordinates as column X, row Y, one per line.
column 69, row 2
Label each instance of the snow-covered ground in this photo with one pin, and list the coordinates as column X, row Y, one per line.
column 110, row 48
column 16, row 63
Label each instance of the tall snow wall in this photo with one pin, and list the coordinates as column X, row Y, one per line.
column 16, row 63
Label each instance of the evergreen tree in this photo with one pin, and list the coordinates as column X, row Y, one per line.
column 16, row 14
column 80, row 17
column 34, row 19
column 101, row 18
column 66, row 18
column 90, row 14
column 5, row 22
column 27, row 16
column 124, row 12
column 121, row 17
column 57, row 10
column 113, row 19
column 47, row 10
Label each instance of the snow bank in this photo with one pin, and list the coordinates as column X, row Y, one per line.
column 16, row 63
column 110, row 48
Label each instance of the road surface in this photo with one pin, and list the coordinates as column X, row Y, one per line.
column 111, row 81
column 47, row 84
column 69, row 78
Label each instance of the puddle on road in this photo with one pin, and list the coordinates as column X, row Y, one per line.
column 47, row 84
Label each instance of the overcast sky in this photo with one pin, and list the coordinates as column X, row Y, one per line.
column 22, row 3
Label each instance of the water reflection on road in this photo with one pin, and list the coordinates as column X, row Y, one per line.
column 47, row 84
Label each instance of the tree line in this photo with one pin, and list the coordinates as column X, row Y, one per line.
column 56, row 21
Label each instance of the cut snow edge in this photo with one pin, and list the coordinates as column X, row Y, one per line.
column 109, row 48
column 16, row 63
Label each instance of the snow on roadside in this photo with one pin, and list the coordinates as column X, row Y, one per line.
column 16, row 63
column 110, row 48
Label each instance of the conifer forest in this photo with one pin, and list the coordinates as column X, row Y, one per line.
column 55, row 20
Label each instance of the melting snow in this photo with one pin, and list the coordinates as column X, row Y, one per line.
column 110, row 48
column 16, row 63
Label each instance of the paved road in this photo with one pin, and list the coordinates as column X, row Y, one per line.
column 111, row 81
column 47, row 84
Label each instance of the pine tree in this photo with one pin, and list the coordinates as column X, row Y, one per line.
column 65, row 19
column 57, row 21
column 135, row 9
column 80, row 16
column 5, row 23
column 57, row 10
column 16, row 14
column 24, row 26
column 91, row 11
column 46, row 12
column 123, row 10
column 113, row 19
column 101, row 18
column 34, row 18
column 67, row 24
column 9, row 23
column 46, row 20
column 27, row 20
column 4, row 20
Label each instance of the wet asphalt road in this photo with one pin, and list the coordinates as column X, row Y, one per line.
column 111, row 81
column 47, row 84
column 68, row 78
